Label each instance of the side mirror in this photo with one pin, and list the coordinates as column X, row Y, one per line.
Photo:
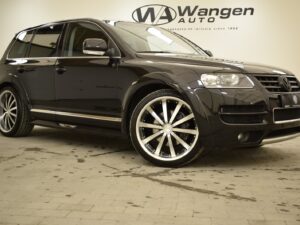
column 209, row 53
column 94, row 46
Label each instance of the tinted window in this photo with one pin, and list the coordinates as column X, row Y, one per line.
column 77, row 33
column 21, row 45
column 45, row 41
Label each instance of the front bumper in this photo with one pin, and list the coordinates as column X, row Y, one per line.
column 281, row 138
column 245, row 117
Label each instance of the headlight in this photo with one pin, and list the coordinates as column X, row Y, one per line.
column 226, row 81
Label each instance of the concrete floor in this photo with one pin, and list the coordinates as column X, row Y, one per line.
column 61, row 177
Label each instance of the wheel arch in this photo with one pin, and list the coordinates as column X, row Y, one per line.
column 140, row 89
column 21, row 92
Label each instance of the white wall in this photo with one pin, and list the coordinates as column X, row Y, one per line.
column 270, row 36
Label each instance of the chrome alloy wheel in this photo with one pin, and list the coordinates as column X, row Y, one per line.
column 166, row 128
column 8, row 111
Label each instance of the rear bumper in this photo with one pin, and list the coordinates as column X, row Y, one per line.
column 245, row 117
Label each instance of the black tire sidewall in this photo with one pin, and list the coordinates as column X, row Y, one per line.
column 192, row 155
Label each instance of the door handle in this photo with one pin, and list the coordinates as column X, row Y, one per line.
column 21, row 69
column 60, row 70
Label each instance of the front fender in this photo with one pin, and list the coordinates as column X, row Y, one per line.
column 155, row 81
column 151, row 79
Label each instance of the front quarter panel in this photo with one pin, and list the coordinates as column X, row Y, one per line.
column 178, row 77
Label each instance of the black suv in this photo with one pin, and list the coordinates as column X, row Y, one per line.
column 171, row 97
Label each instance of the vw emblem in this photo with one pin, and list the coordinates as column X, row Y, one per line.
column 284, row 83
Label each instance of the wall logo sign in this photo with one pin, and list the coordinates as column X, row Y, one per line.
column 154, row 14
column 161, row 14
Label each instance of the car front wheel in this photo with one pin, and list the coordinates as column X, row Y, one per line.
column 164, row 130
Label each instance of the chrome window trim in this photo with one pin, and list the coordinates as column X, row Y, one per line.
column 65, row 57
column 279, row 93
column 78, row 115
column 62, row 57
column 285, row 121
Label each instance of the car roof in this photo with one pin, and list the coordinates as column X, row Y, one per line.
column 69, row 21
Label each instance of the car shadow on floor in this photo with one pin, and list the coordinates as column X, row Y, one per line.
column 259, row 156
column 80, row 138
column 101, row 142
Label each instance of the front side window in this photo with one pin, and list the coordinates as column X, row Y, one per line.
column 21, row 45
column 45, row 41
column 77, row 34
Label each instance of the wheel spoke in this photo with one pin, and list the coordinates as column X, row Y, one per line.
column 161, row 142
column 186, row 131
column 2, row 122
column 7, row 101
column 150, row 110
column 153, row 136
column 13, row 109
column 2, row 105
column 2, row 117
column 13, row 114
column 11, row 120
column 178, row 107
column 6, row 122
column 10, row 100
column 182, row 142
column 9, row 123
column 183, row 120
column 171, row 147
column 165, row 110
column 150, row 125
column 12, row 103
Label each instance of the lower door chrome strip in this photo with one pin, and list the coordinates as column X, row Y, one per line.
column 78, row 115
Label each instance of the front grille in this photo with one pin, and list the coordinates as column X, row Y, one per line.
column 243, row 114
column 272, row 84
column 282, row 115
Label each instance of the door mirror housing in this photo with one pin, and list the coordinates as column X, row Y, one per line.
column 209, row 53
column 95, row 46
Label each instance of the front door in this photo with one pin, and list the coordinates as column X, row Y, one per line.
column 86, row 89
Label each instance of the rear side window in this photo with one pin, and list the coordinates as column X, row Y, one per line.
column 21, row 45
column 45, row 41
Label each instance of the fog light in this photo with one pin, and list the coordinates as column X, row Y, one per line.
column 243, row 137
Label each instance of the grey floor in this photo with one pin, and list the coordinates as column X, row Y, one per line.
column 67, row 177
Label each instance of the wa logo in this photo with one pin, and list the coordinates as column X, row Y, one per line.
column 154, row 14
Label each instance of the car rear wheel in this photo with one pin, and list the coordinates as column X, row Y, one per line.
column 164, row 130
column 14, row 115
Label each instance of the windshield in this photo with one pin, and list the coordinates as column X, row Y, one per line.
column 144, row 38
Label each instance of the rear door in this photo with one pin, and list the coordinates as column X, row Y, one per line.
column 36, row 70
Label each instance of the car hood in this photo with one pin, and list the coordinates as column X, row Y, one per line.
column 219, row 65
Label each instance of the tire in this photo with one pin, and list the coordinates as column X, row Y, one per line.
column 163, row 129
column 15, row 118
